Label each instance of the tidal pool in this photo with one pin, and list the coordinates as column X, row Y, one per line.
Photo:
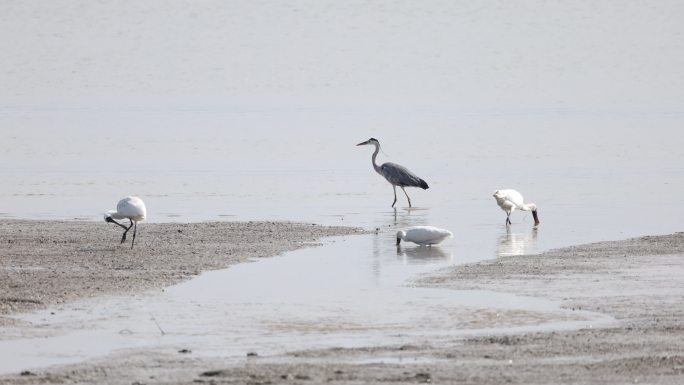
column 351, row 292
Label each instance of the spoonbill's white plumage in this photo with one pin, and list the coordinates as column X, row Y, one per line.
column 423, row 235
column 509, row 200
column 131, row 208
column 396, row 174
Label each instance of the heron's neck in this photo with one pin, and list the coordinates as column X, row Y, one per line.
column 375, row 155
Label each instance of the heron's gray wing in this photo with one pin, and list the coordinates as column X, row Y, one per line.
column 399, row 175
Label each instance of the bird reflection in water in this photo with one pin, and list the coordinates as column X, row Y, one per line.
column 517, row 242
column 422, row 255
column 408, row 216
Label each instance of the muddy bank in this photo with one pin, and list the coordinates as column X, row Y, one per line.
column 49, row 262
column 637, row 281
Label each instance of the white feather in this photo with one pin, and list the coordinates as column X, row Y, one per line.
column 424, row 235
column 130, row 207
column 509, row 200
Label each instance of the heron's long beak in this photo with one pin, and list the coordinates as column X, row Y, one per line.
column 362, row 143
column 536, row 218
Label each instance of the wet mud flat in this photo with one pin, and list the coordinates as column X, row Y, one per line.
column 636, row 281
column 45, row 263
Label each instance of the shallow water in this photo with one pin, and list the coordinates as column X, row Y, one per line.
column 349, row 293
column 589, row 186
column 252, row 111
column 593, row 176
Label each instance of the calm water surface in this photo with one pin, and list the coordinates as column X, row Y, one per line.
column 252, row 110
column 594, row 176
column 349, row 293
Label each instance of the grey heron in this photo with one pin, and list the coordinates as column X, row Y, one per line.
column 131, row 208
column 509, row 200
column 396, row 174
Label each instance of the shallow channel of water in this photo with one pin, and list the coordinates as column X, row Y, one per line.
column 351, row 292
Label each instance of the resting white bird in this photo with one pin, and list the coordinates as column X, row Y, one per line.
column 509, row 200
column 131, row 208
column 423, row 235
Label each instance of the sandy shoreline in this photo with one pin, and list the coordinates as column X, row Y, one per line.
column 44, row 263
column 636, row 281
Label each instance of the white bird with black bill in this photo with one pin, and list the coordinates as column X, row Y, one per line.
column 131, row 208
column 509, row 200
column 423, row 235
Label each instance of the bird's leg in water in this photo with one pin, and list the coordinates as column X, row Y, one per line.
column 135, row 229
column 407, row 197
column 123, row 238
column 395, row 195
column 508, row 218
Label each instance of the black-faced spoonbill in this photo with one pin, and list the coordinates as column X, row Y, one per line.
column 395, row 174
column 423, row 235
column 509, row 200
column 131, row 208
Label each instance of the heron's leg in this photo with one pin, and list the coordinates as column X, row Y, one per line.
column 135, row 229
column 395, row 195
column 508, row 218
column 123, row 238
column 407, row 197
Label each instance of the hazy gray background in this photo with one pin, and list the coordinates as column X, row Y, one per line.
column 457, row 55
